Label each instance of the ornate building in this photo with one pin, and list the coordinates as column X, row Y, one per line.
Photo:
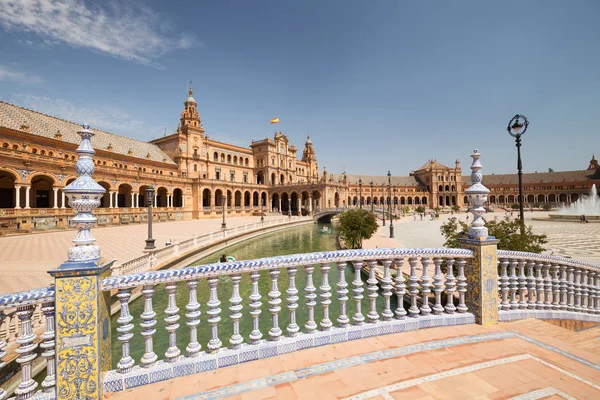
column 197, row 177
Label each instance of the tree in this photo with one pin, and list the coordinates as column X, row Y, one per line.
column 550, row 170
column 356, row 225
column 507, row 231
column 420, row 209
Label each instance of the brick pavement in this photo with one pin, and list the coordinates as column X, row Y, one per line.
column 25, row 259
column 551, row 362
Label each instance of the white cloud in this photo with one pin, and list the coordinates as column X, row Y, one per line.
column 104, row 118
column 128, row 30
column 8, row 74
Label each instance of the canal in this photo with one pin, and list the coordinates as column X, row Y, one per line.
column 303, row 239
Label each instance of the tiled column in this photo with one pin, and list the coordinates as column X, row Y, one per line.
column 17, row 196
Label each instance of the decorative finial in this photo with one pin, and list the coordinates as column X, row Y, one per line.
column 84, row 196
column 477, row 197
column 191, row 88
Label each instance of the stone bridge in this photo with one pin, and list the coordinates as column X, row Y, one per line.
column 325, row 215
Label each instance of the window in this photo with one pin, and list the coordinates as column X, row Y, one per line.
column 195, row 167
column 218, row 174
column 245, row 177
column 216, row 156
column 232, row 176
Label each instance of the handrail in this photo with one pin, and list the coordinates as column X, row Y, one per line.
column 522, row 255
column 33, row 296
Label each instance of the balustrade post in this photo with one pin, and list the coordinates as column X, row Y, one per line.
column 310, row 290
column 400, row 289
column 539, row 286
column 342, row 292
column 3, row 346
column 193, row 319
column 213, row 313
column 522, row 284
column 577, row 289
column 462, row 286
column 592, row 307
column 438, row 286
column 172, row 311
column 125, row 330
column 148, row 323
column 386, row 287
column 372, row 288
column 357, row 290
column 547, row 286
column 513, row 284
column 325, row 294
column 530, row 284
column 274, row 305
column 563, row 287
column 597, row 295
column 292, row 302
column 255, row 305
column 555, row 287
column 413, row 287
column 48, row 345
column 26, row 352
column 236, row 308
column 584, row 289
column 425, row 286
column 570, row 288
column 503, row 283
column 450, row 286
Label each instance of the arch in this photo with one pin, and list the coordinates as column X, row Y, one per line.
column 417, row 201
column 51, row 178
column 219, row 198
column 492, row 199
column 402, row 200
column 447, row 200
column 206, row 197
column 281, row 179
column 7, row 189
column 41, row 194
column 368, row 200
column 247, row 198
column 541, row 198
column 552, row 198
column 410, row 201
column 294, row 204
column 531, row 198
column 562, row 198
column 511, row 199
column 238, row 199
column 104, row 200
column 246, row 162
column 440, row 188
column 177, row 197
column 235, row 160
column 275, row 201
column 501, row 199
column 424, row 200
column 228, row 158
column 336, row 199
column 441, row 202
column 453, row 200
column 215, row 156
column 574, row 197
column 222, row 157
column 229, row 198
column 263, row 198
column 255, row 199
column 161, row 197
column 395, row 200
column 260, row 178
column 273, row 178
column 285, row 202
column 453, row 188
column 447, row 188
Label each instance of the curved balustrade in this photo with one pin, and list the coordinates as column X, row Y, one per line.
column 545, row 286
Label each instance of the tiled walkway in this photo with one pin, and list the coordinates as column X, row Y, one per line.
column 526, row 360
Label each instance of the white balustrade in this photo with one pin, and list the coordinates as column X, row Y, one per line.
column 49, row 347
column 173, row 352
column 193, row 319
column 255, row 306
column 292, row 302
column 125, row 330
column 325, row 294
column 342, row 292
column 236, row 308
column 214, row 314
column 310, row 290
column 148, row 323
column 274, row 305
column 26, row 352
column 357, row 291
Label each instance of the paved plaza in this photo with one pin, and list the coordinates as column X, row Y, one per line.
column 529, row 359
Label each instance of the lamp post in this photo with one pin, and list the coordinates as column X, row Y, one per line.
column 390, row 204
column 149, row 200
column 312, row 199
column 223, row 201
column 360, row 193
column 516, row 128
column 371, row 184
column 383, row 205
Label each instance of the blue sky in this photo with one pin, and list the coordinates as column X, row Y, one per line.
column 381, row 85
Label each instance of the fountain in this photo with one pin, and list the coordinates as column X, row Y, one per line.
column 585, row 205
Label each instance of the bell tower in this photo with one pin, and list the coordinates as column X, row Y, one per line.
column 309, row 157
column 190, row 118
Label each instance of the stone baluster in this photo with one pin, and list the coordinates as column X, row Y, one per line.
column 236, row 308
column 530, row 285
column 597, row 293
column 450, row 286
column 386, row 287
column 425, row 286
column 570, row 288
column 547, row 286
column 413, row 287
column 372, row 315
column 325, row 292
column 563, row 287
column 513, row 284
column 148, row 328
column 3, row 345
column 26, row 352
column 213, row 313
column 438, row 286
column 310, row 290
column 504, row 304
column 522, row 283
column 462, row 286
column 125, row 330
column 357, row 291
column 193, row 319
column 342, row 292
column 577, row 289
column 555, row 286
column 400, row 289
column 292, row 302
column 584, row 289
column 274, row 306
column 539, row 286
column 49, row 347
column 173, row 352
column 593, row 292
column 255, row 305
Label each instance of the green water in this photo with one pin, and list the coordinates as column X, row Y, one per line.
column 304, row 239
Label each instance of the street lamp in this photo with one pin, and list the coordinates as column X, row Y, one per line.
column 390, row 204
column 371, row 184
column 149, row 200
column 223, row 201
column 383, row 205
column 516, row 128
column 360, row 192
column 312, row 198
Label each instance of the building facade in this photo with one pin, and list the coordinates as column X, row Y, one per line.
column 195, row 176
